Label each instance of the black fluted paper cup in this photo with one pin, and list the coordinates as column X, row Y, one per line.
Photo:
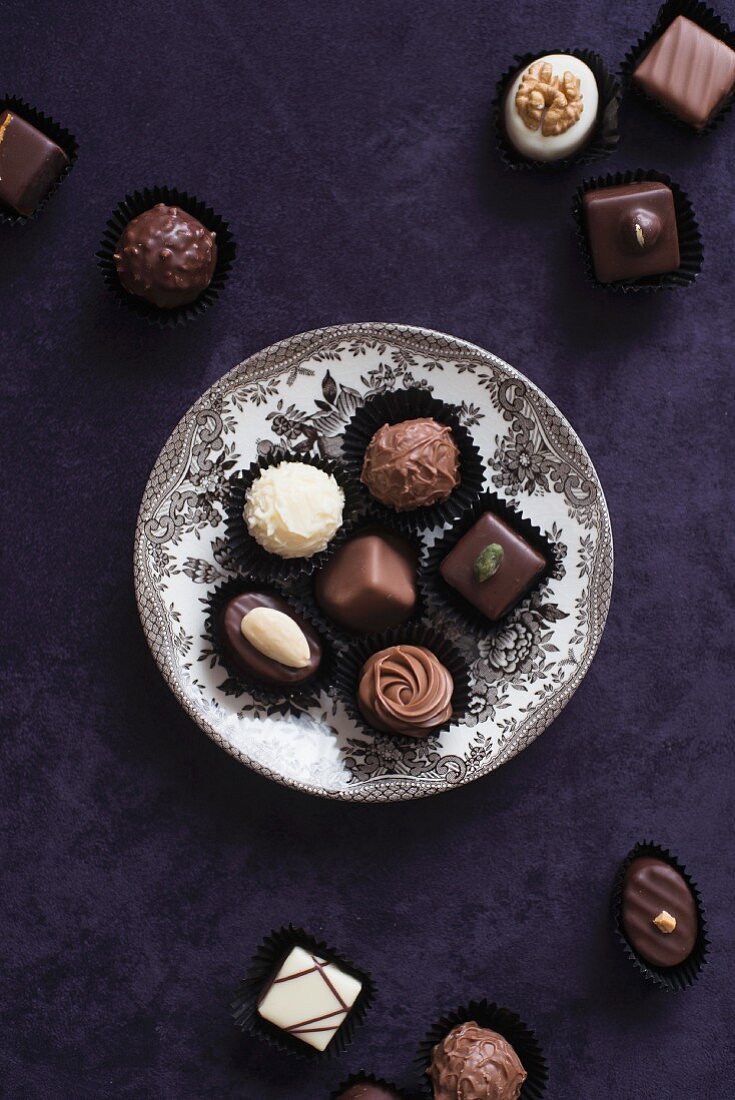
column 51, row 129
column 137, row 203
column 258, row 563
column 411, row 404
column 604, row 137
column 367, row 1079
column 448, row 599
column 501, row 1020
column 296, row 697
column 691, row 252
column 710, row 21
column 338, row 634
column 268, row 959
column 670, row 978
column 349, row 669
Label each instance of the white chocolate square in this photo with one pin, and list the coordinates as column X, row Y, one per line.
column 309, row 998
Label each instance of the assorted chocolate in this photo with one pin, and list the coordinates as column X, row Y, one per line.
column 689, row 71
column 30, row 163
column 369, row 585
column 550, row 109
column 267, row 641
column 405, row 689
column 475, row 1063
column 368, row 1090
column 632, row 230
column 166, row 257
column 294, row 509
column 309, row 997
column 411, row 464
column 492, row 566
column 658, row 912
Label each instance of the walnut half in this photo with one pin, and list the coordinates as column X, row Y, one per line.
column 551, row 102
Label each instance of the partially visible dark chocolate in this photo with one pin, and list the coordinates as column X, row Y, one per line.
column 166, row 256
column 520, row 566
column 411, row 464
column 631, row 230
column 653, row 891
column 368, row 1090
column 688, row 71
column 30, row 163
column 254, row 664
column 369, row 585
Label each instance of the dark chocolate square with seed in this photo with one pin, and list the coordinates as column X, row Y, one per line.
column 520, row 566
column 632, row 231
column 30, row 163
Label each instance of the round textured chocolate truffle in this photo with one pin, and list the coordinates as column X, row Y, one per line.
column 411, row 464
column 550, row 110
column 639, row 230
column 368, row 1090
column 294, row 510
column 405, row 689
column 166, row 257
column 474, row 1063
column 659, row 913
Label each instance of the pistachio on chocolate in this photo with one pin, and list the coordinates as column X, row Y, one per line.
column 488, row 561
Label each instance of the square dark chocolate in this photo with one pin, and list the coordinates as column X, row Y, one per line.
column 689, row 71
column 521, row 565
column 30, row 163
column 632, row 231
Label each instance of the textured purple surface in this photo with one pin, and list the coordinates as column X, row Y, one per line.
column 348, row 143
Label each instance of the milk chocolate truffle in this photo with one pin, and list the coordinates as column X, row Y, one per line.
column 405, row 689
column 551, row 107
column 632, row 230
column 166, row 256
column 268, row 641
column 689, row 71
column 370, row 583
column 492, row 566
column 411, row 464
column 474, row 1063
column 30, row 163
column 659, row 913
column 369, row 1090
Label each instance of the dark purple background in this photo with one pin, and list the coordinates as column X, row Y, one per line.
column 348, row 144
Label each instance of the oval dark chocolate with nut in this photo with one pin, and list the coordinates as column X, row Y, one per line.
column 659, row 913
column 259, row 664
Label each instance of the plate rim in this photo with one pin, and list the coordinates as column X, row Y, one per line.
column 390, row 789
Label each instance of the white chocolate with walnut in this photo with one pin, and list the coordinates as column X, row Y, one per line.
column 551, row 107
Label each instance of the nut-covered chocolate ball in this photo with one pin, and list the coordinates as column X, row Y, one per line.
column 411, row 464
column 367, row 1090
column 474, row 1063
column 166, row 256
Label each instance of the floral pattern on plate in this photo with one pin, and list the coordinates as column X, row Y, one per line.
column 300, row 394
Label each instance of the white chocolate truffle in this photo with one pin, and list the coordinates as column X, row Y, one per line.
column 525, row 123
column 309, row 998
column 294, row 510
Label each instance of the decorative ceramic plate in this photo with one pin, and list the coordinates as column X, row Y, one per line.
column 300, row 394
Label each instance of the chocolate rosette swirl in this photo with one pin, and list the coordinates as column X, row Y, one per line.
column 409, row 682
column 405, row 689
